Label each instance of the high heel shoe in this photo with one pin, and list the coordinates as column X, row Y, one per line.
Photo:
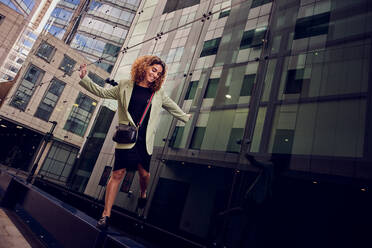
column 103, row 222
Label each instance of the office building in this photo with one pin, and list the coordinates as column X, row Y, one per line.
column 24, row 34
column 46, row 91
column 284, row 81
column 14, row 18
column 95, row 28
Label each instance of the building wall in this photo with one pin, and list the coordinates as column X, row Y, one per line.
column 66, row 102
column 25, row 37
column 286, row 81
column 11, row 26
column 4, row 89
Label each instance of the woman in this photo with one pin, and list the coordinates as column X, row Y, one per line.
column 147, row 76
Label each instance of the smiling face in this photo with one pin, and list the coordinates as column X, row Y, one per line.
column 153, row 72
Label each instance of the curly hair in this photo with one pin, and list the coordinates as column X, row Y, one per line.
column 138, row 71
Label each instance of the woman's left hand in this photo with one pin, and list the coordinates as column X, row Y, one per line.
column 189, row 115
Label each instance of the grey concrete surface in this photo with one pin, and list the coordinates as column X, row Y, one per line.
column 10, row 236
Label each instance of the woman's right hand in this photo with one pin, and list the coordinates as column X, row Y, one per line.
column 83, row 70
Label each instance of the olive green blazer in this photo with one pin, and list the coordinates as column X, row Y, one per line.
column 122, row 93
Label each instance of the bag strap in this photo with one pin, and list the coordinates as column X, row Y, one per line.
column 146, row 109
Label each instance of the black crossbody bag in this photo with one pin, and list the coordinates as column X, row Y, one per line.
column 127, row 134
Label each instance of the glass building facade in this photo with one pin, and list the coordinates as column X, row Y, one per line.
column 23, row 7
column 95, row 28
column 286, row 83
column 20, row 36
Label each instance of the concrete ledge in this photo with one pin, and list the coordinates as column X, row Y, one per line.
column 5, row 179
column 66, row 224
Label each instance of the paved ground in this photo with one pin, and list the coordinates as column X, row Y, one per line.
column 10, row 236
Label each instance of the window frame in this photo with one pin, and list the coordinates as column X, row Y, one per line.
column 68, row 72
column 212, row 50
column 47, row 59
column 54, row 80
column 76, row 116
column 26, row 87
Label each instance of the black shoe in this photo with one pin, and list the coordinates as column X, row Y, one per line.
column 141, row 202
column 103, row 223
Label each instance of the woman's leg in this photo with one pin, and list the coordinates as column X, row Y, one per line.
column 144, row 179
column 112, row 190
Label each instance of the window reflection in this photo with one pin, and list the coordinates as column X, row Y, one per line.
column 210, row 47
column 26, row 89
column 59, row 161
column 211, row 90
column 45, row 51
column 50, row 99
column 67, row 65
column 80, row 115
column 56, row 31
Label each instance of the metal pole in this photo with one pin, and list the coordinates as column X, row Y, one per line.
column 47, row 137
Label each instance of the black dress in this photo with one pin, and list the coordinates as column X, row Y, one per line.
column 130, row 158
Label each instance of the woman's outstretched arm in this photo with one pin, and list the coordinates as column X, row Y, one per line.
column 95, row 89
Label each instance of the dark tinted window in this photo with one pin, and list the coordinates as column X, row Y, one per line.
column 253, row 38
column 210, row 47
column 190, row 94
column 50, row 99
column 173, row 5
column 211, row 91
column 247, row 85
column 312, row 26
column 45, row 51
column 256, row 3
column 95, row 78
column 294, row 81
column 67, row 65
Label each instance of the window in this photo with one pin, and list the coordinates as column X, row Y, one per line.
column 56, row 31
column 62, row 14
column 210, row 47
column 45, row 51
column 253, row 38
column 224, row 14
column 1, row 19
column 59, row 161
column 95, row 78
column 10, row 4
column 235, row 136
column 50, row 99
column 94, row 5
column 312, row 26
column 197, row 138
column 8, row 77
column 32, row 35
column 295, row 79
column 74, row 2
column 13, row 69
column 20, row 61
column 283, row 141
column 176, row 138
column 257, row 3
column 106, row 66
column 173, row 5
column 111, row 50
column 247, row 86
column 80, row 115
column 211, row 90
column 27, row 43
column 25, row 90
column 67, row 65
column 190, row 94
